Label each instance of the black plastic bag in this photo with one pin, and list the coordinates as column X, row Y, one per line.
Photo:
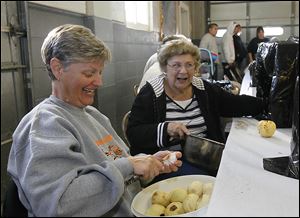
column 252, row 71
column 294, row 159
column 294, row 39
column 283, row 83
column 264, row 69
column 288, row 165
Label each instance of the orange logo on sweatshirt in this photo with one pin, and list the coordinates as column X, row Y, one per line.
column 104, row 140
column 110, row 150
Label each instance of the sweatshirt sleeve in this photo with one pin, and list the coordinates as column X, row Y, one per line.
column 58, row 179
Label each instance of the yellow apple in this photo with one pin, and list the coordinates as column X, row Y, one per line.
column 266, row 128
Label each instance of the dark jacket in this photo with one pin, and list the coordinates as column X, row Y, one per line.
column 239, row 48
column 147, row 132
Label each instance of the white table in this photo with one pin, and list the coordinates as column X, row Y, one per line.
column 243, row 187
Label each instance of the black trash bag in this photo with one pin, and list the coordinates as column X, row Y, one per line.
column 264, row 69
column 283, row 83
column 294, row 162
column 288, row 165
column 294, row 39
column 252, row 71
column 294, row 159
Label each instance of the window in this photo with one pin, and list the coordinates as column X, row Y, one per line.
column 273, row 31
column 221, row 32
column 138, row 14
column 269, row 31
column 184, row 19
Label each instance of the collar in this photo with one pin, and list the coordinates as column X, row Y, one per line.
column 157, row 84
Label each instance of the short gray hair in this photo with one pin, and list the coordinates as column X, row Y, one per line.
column 178, row 47
column 72, row 43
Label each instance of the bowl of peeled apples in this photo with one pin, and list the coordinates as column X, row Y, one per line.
column 178, row 196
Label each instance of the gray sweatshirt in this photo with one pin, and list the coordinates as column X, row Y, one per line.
column 228, row 52
column 68, row 161
column 209, row 42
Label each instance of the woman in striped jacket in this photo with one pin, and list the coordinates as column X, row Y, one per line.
column 177, row 103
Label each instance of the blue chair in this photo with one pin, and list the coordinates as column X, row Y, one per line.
column 206, row 64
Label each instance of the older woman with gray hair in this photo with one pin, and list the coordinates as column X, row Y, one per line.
column 66, row 159
column 177, row 103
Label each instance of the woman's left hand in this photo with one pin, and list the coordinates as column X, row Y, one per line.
column 172, row 167
column 177, row 130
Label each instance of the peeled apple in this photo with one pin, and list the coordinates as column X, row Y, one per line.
column 266, row 128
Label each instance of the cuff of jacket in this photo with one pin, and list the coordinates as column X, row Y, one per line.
column 162, row 135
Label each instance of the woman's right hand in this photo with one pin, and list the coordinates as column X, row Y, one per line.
column 177, row 130
column 146, row 166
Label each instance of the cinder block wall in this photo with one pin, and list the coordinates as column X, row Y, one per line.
column 130, row 50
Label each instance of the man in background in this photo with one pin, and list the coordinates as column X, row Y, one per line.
column 209, row 42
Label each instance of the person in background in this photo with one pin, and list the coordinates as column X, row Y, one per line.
column 66, row 159
column 152, row 68
column 209, row 42
column 253, row 44
column 228, row 60
column 176, row 104
column 239, row 48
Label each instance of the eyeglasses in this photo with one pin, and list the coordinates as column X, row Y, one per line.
column 178, row 66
